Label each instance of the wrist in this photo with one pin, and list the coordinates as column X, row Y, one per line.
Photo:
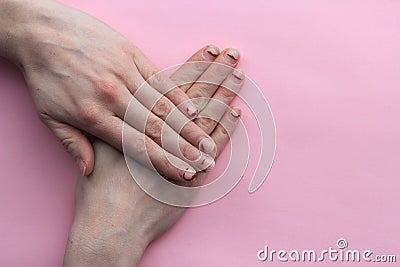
column 87, row 247
column 23, row 25
column 12, row 19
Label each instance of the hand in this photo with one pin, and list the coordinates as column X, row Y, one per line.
column 114, row 219
column 82, row 75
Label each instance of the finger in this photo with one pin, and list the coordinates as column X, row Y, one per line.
column 144, row 150
column 221, row 135
column 163, row 84
column 225, row 128
column 145, row 99
column 211, row 79
column 194, row 67
column 217, row 105
column 113, row 94
column 75, row 142
column 146, row 122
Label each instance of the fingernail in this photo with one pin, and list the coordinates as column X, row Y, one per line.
column 207, row 163
column 82, row 165
column 237, row 76
column 207, row 146
column 191, row 110
column 236, row 113
column 188, row 174
column 212, row 165
column 211, row 52
column 200, row 102
column 231, row 56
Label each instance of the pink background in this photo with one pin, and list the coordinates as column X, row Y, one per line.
column 330, row 71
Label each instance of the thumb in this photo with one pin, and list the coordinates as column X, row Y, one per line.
column 75, row 142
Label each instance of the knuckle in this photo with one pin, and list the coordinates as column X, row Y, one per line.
column 162, row 108
column 68, row 143
column 129, row 48
column 201, row 88
column 206, row 123
column 89, row 113
column 190, row 152
column 226, row 93
column 166, row 164
column 198, row 96
column 154, row 129
column 223, row 132
column 155, row 78
column 198, row 66
column 149, row 72
column 221, row 70
column 195, row 95
column 162, row 83
column 108, row 90
column 158, row 77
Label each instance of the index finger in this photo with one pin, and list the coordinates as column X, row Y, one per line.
column 164, row 84
column 187, row 74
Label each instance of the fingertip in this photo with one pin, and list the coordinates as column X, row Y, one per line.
column 238, row 75
column 210, row 52
column 76, row 143
column 236, row 113
column 207, row 145
column 89, row 167
column 231, row 56
column 187, row 174
column 86, row 159
column 191, row 110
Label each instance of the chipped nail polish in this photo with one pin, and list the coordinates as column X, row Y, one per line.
column 231, row 56
column 237, row 76
column 207, row 163
column 191, row 111
column 211, row 52
column 236, row 113
column 188, row 174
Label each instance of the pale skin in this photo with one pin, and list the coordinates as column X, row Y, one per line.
column 82, row 75
column 122, row 219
